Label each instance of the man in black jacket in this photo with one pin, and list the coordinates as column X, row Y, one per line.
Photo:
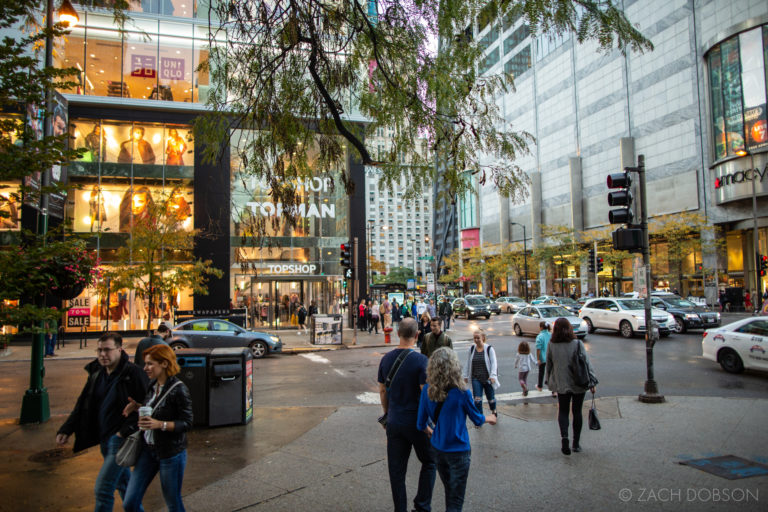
column 98, row 414
column 161, row 335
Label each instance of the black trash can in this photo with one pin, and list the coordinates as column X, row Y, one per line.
column 194, row 373
column 230, row 391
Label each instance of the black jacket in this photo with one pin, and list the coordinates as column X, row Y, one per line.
column 83, row 421
column 176, row 409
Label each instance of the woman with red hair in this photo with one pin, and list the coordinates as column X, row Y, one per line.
column 164, row 443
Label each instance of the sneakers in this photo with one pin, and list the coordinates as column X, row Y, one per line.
column 538, row 388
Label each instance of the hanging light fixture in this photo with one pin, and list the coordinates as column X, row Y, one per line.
column 67, row 14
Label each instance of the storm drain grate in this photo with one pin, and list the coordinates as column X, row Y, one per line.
column 728, row 466
column 54, row 455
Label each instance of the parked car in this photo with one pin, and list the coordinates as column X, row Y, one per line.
column 541, row 299
column 738, row 345
column 470, row 307
column 526, row 321
column 511, row 304
column 567, row 302
column 215, row 333
column 687, row 314
column 495, row 308
column 624, row 315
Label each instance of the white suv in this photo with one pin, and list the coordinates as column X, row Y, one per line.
column 624, row 315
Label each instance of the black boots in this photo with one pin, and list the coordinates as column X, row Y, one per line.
column 566, row 449
column 576, row 447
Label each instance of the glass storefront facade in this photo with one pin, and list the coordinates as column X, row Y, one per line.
column 276, row 266
column 153, row 59
column 127, row 167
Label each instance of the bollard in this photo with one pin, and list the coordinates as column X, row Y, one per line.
column 387, row 334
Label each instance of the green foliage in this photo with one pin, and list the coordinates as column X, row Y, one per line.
column 396, row 275
column 313, row 73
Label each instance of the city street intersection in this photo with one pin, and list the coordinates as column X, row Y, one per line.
column 314, row 443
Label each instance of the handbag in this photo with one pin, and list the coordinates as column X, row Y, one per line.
column 129, row 451
column 594, row 421
column 580, row 368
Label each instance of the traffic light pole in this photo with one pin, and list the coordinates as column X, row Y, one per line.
column 651, row 394
column 594, row 262
column 355, row 291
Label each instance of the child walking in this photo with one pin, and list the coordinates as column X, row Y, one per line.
column 524, row 361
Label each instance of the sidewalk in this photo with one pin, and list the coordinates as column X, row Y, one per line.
column 337, row 462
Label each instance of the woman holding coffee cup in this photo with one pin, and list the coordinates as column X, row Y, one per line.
column 165, row 418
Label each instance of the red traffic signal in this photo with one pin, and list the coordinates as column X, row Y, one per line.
column 621, row 197
column 346, row 258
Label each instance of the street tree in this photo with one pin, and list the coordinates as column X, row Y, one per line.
column 157, row 259
column 514, row 261
column 676, row 240
column 45, row 263
column 396, row 275
column 563, row 248
column 314, row 78
column 613, row 260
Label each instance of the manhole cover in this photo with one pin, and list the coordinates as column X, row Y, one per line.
column 54, row 455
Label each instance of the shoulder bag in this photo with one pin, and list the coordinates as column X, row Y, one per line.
column 129, row 451
column 579, row 368
column 594, row 421
column 401, row 357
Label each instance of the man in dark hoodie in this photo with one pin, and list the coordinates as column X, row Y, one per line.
column 98, row 414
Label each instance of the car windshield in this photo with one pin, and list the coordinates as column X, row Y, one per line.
column 554, row 312
column 681, row 303
column 516, row 299
column 631, row 304
column 567, row 300
column 474, row 302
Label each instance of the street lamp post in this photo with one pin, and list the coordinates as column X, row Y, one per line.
column 525, row 259
column 35, row 406
column 368, row 253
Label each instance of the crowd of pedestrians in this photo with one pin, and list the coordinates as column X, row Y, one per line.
column 427, row 398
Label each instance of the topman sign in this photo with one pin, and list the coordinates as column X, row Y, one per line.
column 309, row 186
column 734, row 179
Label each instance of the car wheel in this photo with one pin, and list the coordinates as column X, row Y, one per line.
column 590, row 327
column 258, row 349
column 487, row 317
column 679, row 325
column 518, row 330
column 177, row 345
column 730, row 361
column 626, row 329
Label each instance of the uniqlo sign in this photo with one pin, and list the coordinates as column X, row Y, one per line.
column 143, row 66
column 171, row 69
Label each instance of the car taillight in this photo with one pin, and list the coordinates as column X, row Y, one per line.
column 705, row 335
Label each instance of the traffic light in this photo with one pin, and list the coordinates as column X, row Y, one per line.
column 622, row 197
column 599, row 264
column 591, row 261
column 763, row 265
column 346, row 258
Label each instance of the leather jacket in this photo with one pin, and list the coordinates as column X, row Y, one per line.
column 176, row 408
column 83, row 421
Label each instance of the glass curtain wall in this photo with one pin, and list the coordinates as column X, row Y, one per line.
column 126, row 168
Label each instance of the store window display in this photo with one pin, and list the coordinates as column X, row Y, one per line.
column 136, row 149
column 175, row 148
column 10, row 207
column 135, row 206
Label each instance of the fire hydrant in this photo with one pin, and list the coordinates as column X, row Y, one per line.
column 387, row 334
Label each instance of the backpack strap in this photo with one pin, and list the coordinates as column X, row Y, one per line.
column 396, row 367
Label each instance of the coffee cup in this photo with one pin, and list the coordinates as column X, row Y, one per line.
column 145, row 411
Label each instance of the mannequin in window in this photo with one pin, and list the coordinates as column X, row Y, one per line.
column 136, row 145
column 94, row 142
column 138, row 204
column 175, row 148
column 9, row 218
column 97, row 213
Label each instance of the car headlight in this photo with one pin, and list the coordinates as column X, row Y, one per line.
column 718, row 316
column 671, row 318
column 640, row 317
column 690, row 316
column 276, row 339
column 471, row 308
column 583, row 325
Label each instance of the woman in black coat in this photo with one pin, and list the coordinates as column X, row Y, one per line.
column 164, row 442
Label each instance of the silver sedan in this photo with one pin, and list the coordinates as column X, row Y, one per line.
column 526, row 321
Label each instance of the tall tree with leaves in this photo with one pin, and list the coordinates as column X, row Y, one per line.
column 32, row 264
column 156, row 260
column 314, row 75
column 564, row 249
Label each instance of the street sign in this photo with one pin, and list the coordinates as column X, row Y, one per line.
column 638, row 278
column 427, row 258
column 410, row 284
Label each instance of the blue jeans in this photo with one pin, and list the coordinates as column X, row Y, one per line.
column 400, row 439
column 446, row 322
column 111, row 476
column 477, row 391
column 171, row 476
column 50, row 343
column 453, row 468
